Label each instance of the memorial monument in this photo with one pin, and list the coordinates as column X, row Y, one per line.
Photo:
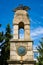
column 21, row 50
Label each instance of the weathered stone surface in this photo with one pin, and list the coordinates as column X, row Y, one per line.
column 15, row 27
column 15, row 36
column 21, row 16
column 13, row 53
column 13, row 48
column 27, row 27
column 15, row 32
column 30, row 46
column 13, row 57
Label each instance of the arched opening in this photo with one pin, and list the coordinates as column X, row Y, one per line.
column 21, row 30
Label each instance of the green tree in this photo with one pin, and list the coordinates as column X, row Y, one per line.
column 6, row 44
column 40, row 51
column 1, row 37
column 8, row 36
column 1, row 41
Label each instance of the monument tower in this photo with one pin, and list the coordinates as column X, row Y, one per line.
column 21, row 49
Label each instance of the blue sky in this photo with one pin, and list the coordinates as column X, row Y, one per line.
column 36, row 16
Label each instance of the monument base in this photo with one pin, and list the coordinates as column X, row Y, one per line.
column 11, row 62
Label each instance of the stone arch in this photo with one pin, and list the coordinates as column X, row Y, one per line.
column 21, row 25
column 21, row 30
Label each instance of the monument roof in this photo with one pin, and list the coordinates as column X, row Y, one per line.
column 21, row 7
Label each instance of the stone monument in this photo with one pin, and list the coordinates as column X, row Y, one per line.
column 21, row 50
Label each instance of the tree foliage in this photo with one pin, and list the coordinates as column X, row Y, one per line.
column 8, row 36
column 1, row 41
column 1, row 36
column 6, row 44
column 40, row 51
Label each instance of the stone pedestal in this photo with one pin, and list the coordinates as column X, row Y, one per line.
column 27, row 59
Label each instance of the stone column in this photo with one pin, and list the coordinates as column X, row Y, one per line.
column 27, row 31
column 15, row 31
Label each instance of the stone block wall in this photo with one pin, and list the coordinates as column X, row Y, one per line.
column 15, row 32
column 13, row 51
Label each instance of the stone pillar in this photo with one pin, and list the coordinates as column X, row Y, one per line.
column 15, row 31
column 27, row 31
